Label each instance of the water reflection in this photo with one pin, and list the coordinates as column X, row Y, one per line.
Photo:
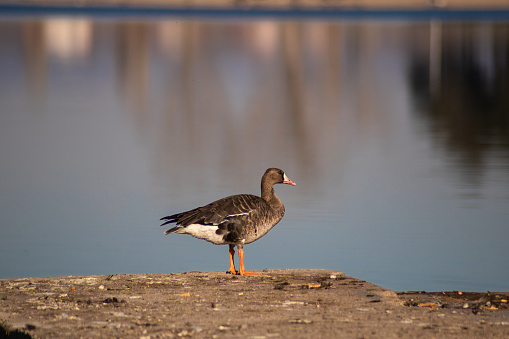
column 108, row 125
column 464, row 103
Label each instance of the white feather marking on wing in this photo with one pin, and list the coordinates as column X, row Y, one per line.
column 237, row 215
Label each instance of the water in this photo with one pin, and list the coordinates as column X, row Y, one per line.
column 396, row 133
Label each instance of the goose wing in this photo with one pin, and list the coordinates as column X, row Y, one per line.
column 230, row 215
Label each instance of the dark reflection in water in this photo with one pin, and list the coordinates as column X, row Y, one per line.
column 397, row 135
column 464, row 99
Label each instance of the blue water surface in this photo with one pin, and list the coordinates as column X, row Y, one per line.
column 395, row 131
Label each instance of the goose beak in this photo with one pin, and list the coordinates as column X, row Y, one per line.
column 287, row 181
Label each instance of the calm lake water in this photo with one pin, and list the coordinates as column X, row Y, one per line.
column 396, row 133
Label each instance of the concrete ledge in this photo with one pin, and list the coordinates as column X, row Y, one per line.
column 280, row 303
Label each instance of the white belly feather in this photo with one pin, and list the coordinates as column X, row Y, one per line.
column 205, row 232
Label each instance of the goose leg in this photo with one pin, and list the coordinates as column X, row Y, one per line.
column 242, row 271
column 232, row 264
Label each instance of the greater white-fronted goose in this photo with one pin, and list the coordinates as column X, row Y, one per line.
column 235, row 220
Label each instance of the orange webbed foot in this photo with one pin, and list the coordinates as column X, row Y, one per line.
column 249, row 273
column 242, row 271
column 232, row 269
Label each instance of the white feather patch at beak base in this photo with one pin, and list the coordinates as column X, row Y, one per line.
column 287, row 180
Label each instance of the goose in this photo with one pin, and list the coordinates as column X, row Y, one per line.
column 236, row 220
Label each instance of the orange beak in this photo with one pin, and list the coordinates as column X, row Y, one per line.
column 287, row 181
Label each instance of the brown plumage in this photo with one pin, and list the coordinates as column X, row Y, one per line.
column 235, row 220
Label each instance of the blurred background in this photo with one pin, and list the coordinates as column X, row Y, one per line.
column 396, row 132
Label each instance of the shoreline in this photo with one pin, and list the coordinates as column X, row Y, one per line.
column 278, row 4
column 408, row 8
column 279, row 303
column 395, row 10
